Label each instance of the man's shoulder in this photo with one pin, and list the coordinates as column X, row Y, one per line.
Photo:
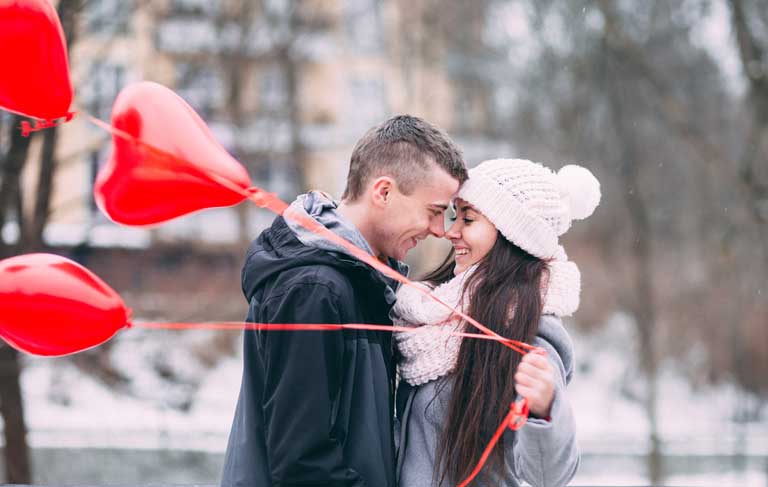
column 318, row 277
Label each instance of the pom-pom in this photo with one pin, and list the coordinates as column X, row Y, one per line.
column 581, row 190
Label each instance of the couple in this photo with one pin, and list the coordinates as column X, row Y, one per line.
column 317, row 408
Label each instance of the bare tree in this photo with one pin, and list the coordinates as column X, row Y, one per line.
column 16, row 451
column 753, row 175
column 18, row 470
column 629, row 91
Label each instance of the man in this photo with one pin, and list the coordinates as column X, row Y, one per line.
column 316, row 408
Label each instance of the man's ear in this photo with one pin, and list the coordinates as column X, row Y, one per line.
column 383, row 190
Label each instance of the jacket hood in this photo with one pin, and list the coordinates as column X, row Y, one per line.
column 322, row 208
column 285, row 246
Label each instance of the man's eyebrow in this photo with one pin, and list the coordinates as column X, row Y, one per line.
column 439, row 206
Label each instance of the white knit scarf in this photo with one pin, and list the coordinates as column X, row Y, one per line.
column 431, row 352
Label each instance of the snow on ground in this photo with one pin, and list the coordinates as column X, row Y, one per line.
column 65, row 407
column 610, row 418
column 68, row 409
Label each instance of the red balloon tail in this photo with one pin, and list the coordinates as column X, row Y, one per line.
column 515, row 419
column 239, row 325
column 315, row 227
column 38, row 125
column 272, row 202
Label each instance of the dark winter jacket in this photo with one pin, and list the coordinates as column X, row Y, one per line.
column 315, row 407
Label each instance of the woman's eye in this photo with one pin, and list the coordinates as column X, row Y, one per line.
column 467, row 221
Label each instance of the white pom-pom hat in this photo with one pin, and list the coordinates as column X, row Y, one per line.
column 528, row 203
column 532, row 206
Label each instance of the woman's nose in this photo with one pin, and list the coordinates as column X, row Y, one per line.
column 453, row 232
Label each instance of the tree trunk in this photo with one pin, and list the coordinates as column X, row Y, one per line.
column 292, row 76
column 68, row 11
column 644, row 309
column 291, row 73
column 752, row 53
column 11, row 170
column 33, row 240
column 15, row 453
column 234, row 65
column 643, row 302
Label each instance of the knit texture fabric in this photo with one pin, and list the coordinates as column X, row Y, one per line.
column 431, row 352
column 531, row 206
column 528, row 203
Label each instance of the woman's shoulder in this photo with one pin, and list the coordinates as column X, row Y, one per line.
column 555, row 339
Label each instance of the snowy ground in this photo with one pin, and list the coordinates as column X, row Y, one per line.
column 702, row 444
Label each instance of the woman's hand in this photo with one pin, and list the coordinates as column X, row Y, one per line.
column 535, row 381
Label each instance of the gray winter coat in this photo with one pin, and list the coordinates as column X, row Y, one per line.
column 542, row 453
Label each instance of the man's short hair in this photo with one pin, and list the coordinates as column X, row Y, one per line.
column 403, row 147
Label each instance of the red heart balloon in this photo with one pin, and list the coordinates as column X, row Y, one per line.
column 166, row 162
column 33, row 52
column 50, row 305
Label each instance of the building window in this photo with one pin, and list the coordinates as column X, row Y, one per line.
column 205, row 8
column 363, row 26
column 366, row 101
column 100, row 88
column 273, row 90
column 187, row 36
column 200, row 86
column 109, row 17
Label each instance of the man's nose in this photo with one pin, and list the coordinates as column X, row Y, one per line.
column 437, row 228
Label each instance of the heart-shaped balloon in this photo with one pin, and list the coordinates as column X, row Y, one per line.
column 33, row 55
column 52, row 306
column 165, row 161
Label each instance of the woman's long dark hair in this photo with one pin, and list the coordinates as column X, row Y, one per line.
column 504, row 295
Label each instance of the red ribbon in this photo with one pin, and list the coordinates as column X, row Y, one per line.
column 521, row 347
column 515, row 419
column 270, row 201
column 518, row 411
column 27, row 128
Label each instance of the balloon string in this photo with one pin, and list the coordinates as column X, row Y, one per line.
column 518, row 411
column 514, row 420
column 271, row 202
column 236, row 325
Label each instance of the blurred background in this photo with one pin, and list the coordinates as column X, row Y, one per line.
column 665, row 101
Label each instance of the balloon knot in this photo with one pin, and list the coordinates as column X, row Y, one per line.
column 518, row 414
column 128, row 317
column 27, row 128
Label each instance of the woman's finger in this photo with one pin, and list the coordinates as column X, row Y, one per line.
column 533, row 396
column 536, row 360
column 535, row 372
column 532, row 382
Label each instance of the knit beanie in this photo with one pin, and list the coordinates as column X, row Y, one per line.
column 532, row 206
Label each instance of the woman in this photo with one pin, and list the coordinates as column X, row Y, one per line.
column 508, row 271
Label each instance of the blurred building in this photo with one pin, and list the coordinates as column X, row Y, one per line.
column 286, row 86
